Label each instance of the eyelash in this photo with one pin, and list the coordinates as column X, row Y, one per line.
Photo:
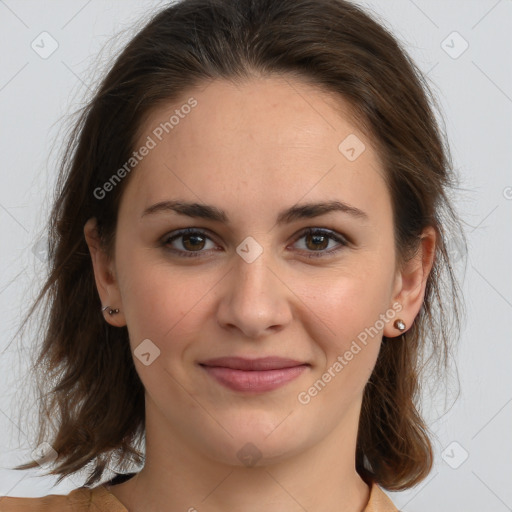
column 309, row 231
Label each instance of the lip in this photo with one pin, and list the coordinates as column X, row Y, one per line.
column 253, row 375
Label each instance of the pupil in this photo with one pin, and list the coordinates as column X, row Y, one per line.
column 317, row 240
column 194, row 239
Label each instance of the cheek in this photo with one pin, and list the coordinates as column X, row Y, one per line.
column 347, row 325
column 160, row 301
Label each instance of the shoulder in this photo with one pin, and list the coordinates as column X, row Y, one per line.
column 84, row 499
column 99, row 499
column 379, row 501
column 76, row 500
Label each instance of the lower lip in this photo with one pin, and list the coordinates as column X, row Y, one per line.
column 254, row 380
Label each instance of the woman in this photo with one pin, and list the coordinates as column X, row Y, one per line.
column 248, row 268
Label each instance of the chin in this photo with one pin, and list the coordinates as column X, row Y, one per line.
column 256, row 443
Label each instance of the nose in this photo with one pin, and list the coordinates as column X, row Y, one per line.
column 255, row 299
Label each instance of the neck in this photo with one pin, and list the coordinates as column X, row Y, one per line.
column 177, row 478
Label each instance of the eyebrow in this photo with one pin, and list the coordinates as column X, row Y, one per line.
column 297, row 212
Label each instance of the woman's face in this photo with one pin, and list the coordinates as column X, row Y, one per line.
column 250, row 283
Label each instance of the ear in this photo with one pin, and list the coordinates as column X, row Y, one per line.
column 104, row 275
column 411, row 281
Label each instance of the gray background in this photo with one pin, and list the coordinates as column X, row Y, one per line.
column 473, row 437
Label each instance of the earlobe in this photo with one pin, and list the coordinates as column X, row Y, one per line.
column 411, row 283
column 106, row 283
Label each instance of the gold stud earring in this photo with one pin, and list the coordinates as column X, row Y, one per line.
column 399, row 324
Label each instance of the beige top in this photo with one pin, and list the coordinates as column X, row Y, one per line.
column 99, row 499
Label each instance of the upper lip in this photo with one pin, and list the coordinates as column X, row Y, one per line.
column 264, row 363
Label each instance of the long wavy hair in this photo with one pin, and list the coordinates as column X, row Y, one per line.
column 91, row 400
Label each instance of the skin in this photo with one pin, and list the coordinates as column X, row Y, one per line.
column 254, row 149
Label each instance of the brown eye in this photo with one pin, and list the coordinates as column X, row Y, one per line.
column 192, row 242
column 317, row 241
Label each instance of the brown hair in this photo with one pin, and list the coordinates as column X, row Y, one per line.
column 86, row 376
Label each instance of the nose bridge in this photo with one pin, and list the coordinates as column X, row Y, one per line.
column 252, row 279
column 254, row 299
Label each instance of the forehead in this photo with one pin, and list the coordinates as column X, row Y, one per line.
column 275, row 139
